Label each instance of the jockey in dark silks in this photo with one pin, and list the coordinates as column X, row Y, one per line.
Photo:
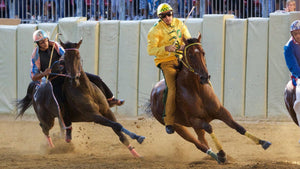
column 40, row 69
column 292, row 58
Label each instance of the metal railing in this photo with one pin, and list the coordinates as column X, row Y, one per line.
column 35, row 11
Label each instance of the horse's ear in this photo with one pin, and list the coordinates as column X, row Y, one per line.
column 199, row 37
column 184, row 40
column 79, row 43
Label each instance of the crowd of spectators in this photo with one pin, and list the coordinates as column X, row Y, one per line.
column 52, row 10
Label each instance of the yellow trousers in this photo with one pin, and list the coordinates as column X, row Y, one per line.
column 170, row 77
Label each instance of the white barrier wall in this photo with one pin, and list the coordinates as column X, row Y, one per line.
column 8, row 68
column 278, row 73
column 235, row 66
column 89, row 32
column 213, row 44
column 108, row 54
column 128, row 66
column 195, row 26
column 68, row 27
column 117, row 52
column 148, row 72
column 24, row 39
column 256, row 72
column 50, row 28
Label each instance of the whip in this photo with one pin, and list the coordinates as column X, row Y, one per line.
column 52, row 53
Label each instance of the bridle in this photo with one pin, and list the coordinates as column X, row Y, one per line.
column 187, row 64
column 78, row 73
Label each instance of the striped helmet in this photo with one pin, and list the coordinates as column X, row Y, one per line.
column 39, row 35
column 163, row 8
column 295, row 25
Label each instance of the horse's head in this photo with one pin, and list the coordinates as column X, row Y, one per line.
column 72, row 59
column 193, row 58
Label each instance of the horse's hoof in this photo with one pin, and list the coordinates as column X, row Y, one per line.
column 221, row 157
column 265, row 144
column 214, row 156
column 141, row 139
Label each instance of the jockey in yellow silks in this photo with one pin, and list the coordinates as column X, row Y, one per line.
column 164, row 40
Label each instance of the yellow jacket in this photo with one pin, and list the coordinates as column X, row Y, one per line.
column 161, row 35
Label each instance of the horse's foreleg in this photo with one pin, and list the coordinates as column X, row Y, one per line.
column 199, row 124
column 227, row 118
column 186, row 134
column 201, row 136
column 117, row 127
column 125, row 141
column 109, row 114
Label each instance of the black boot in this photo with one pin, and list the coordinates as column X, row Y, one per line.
column 169, row 129
column 112, row 102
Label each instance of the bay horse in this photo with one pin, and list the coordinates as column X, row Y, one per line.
column 196, row 103
column 289, row 100
column 84, row 101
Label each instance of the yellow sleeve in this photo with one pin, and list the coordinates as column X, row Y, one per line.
column 152, row 47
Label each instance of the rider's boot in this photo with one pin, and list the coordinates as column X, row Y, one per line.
column 169, row 129
column 113, row 101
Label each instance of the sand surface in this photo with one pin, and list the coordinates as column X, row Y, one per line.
column 23, row 145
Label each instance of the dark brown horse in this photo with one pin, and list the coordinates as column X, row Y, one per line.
column 196, row 103
column 289, row 99
column 84, row 100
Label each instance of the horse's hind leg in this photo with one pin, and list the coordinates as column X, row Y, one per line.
column 198, row 125
column 201, row 144
column 227, row 118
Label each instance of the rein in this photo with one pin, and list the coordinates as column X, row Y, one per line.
column 187, row 64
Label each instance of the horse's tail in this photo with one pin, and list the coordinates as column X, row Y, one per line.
column 148, row 110
column 26, row 102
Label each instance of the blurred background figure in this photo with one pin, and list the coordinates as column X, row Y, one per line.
column 4, row 9
column 143, row 9
column 290, row 6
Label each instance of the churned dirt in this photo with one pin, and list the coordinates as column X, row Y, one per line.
column 23, row 145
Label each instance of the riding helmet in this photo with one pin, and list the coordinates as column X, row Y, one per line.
column 39, row 35
column 295, row 25
column 163, row 8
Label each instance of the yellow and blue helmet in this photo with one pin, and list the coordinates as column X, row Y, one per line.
column 164, row 7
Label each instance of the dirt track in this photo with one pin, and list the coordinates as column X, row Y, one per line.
column 93, row 146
